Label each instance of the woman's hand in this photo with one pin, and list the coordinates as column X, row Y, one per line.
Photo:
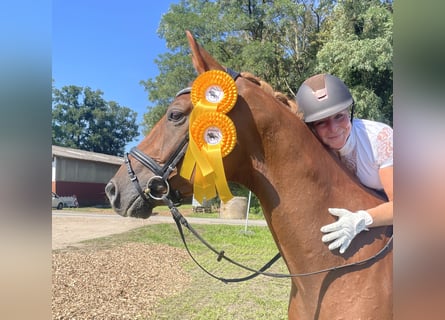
column 345, row 228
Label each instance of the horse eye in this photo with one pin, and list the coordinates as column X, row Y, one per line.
column 175, row 116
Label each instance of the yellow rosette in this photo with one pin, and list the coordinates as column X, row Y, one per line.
column 214, row 129
column 214, row 90
column 212, row 134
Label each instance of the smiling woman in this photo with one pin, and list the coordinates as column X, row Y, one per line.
column 334, row 130
column 365, row 147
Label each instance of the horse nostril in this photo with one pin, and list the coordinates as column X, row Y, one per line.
column 110, row 191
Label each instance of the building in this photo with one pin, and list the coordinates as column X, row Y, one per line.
column 83, row 173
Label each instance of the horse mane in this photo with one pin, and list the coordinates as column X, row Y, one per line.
column 288, row 102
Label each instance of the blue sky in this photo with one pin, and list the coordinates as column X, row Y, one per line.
column 108, row 45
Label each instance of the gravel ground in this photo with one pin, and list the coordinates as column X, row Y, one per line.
column 124, row 282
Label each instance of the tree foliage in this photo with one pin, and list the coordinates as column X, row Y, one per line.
column 284, row 42
column 82, row 119
column 358, row 49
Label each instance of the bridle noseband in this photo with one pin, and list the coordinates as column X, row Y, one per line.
column 162, row 173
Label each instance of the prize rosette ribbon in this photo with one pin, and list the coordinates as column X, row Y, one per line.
column 212, row 135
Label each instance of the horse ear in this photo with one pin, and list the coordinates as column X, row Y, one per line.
column 202, row 60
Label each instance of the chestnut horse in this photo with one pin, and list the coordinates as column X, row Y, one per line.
column 296, row 180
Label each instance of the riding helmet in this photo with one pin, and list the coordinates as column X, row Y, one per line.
column 321, row 96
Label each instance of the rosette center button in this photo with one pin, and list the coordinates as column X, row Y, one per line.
column 214, row 94
column 213, row 135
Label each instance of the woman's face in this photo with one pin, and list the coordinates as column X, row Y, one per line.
column 334, row 130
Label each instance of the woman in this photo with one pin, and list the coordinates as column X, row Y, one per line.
column 364, row 146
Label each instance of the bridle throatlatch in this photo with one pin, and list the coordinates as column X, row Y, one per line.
column 158, row 188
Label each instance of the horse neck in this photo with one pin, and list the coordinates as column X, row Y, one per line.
column 296, row 180
column 297, row 166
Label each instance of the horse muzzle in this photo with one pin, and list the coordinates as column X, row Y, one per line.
column 126, row 204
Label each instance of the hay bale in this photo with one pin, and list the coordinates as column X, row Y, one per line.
column 236, row 208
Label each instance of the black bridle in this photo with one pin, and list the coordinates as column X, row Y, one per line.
column 172, row 199
column 162, row 173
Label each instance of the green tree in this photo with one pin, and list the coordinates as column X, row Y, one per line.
column 82, row 119
column 284, row 42
column 358, row 49
column 275, row 40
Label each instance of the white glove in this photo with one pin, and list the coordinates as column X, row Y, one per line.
column 345, row 228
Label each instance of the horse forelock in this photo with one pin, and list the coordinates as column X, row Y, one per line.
column 266, row 87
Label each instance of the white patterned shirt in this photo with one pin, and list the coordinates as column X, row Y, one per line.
column 369, row 148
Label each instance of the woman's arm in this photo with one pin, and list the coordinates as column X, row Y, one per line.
column 349, row 224
column 382, row 215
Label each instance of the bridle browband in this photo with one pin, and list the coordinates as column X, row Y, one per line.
column 172, row 199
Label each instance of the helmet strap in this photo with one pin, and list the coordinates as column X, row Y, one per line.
column 352, row 111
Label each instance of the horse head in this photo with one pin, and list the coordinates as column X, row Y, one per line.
column 151, row 170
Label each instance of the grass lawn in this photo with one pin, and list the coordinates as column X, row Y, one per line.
column 207, row 298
